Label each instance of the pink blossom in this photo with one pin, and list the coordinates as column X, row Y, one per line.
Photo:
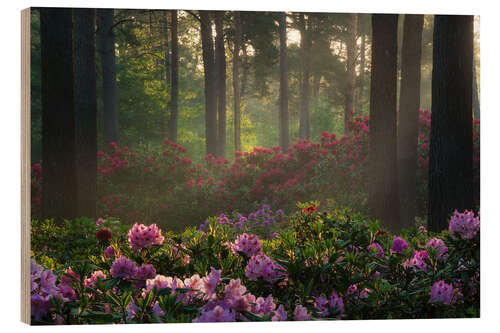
column 441, row 292
column 141, row 237
column 438, row 245
column 336, row 304
column 97, row 275
column 123, row 267
column 264, row 267
column 300, row 313
column 99, row 221
column 280, row 314
column 109, row 252
column 250, row 245
column 377, row 249
column 217, row 314
column 465, row 224
column 263, row 306
column 399, row 245
column 210, row 282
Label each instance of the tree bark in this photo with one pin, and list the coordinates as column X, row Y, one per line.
column 207, row 43
column 352, row 30
column 59, row 200
column 450, row 165
column 106, row 45
column 236, row 81
column 220, row 64
column 475, row 92
column 86, row 110
column 409, row 105
column 174, row 97
column 305, row 38
column 383, row 199
column 284, row 132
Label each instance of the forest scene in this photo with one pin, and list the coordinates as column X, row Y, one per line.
column 215, row 166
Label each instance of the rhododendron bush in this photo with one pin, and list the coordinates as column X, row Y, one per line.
column 321, row 264
column 167, row 188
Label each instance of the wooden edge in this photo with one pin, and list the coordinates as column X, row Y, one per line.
column 25, row 165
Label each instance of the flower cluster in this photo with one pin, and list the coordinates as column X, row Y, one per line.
column 250, row 245
column 262, row 266
column 438, row 245
column 442, row 293
column 140, row 236
column 123, row 268
column 465, row 224
column 399, row 245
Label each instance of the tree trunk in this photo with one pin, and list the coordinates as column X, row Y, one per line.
column 236, row 81
column 207, row 43
column 305, row 38
column 450, row 165
column 383, row 199
column 167, row 56
column 361, row 79
column 409, row 105
column 352, row 30
column 106, row 45
column 220, row 64
column 86, row 110
column 59, row 200
column 475, row 92
column 174, row 92
column 244, row 75
column 284, row 137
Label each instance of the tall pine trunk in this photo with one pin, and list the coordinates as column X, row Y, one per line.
column 207, row 43
column 305, row 37
column 475, row 92
column 383, row 199
column 106, row 45
column 236, row 81
column 409, row 105
column 85, row 95
column 352, row 30
column 220, row 64
column 361, row 78
column 174, row 91
column 284, row 135
column 59, row 199
column 450, row 165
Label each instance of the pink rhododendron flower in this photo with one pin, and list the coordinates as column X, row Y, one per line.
column 140, row 236
column 210, row 282
column 99, row 221
column 123, row 267
column 109, row 252
column 399, row 245
column 143, row 273
column 336, row 304
column 280, row 314
column 442, row 293
column 250, row 245
column 465, row 224
column 217, row 314
column 40, row 306
column 438, row 245
column 263, row 306
column 300, row 313
column 264, row 267
column 321, row 305
column 97, row 275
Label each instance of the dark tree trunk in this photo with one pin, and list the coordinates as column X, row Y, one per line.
column 475, row 92
column 174, row 113
column 352, row 30
column 450, row 166
column 409, row 104
column 383, row 199
column 244, row 75
column 236, row 81
column 207, row 43
column 59, row 200
column 86, row 110
column 168, row 68
column 305, row 37
column 220, row 64
column 361, row 79
column 106, row 46
column 284, row 137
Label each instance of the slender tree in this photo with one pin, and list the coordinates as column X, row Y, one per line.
column 284, row 131
column 220, row 64
column 306, row 43
column 207, row 43
column 383, row 199
column 236, row 81
column 167, row 54
column 174, row 113
column 475, row 92
column 59, row 198
column 409, row 104
column 358, row 109
column 85, row 95
column 450, row 165
column 352, row 30
column 106, row 46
